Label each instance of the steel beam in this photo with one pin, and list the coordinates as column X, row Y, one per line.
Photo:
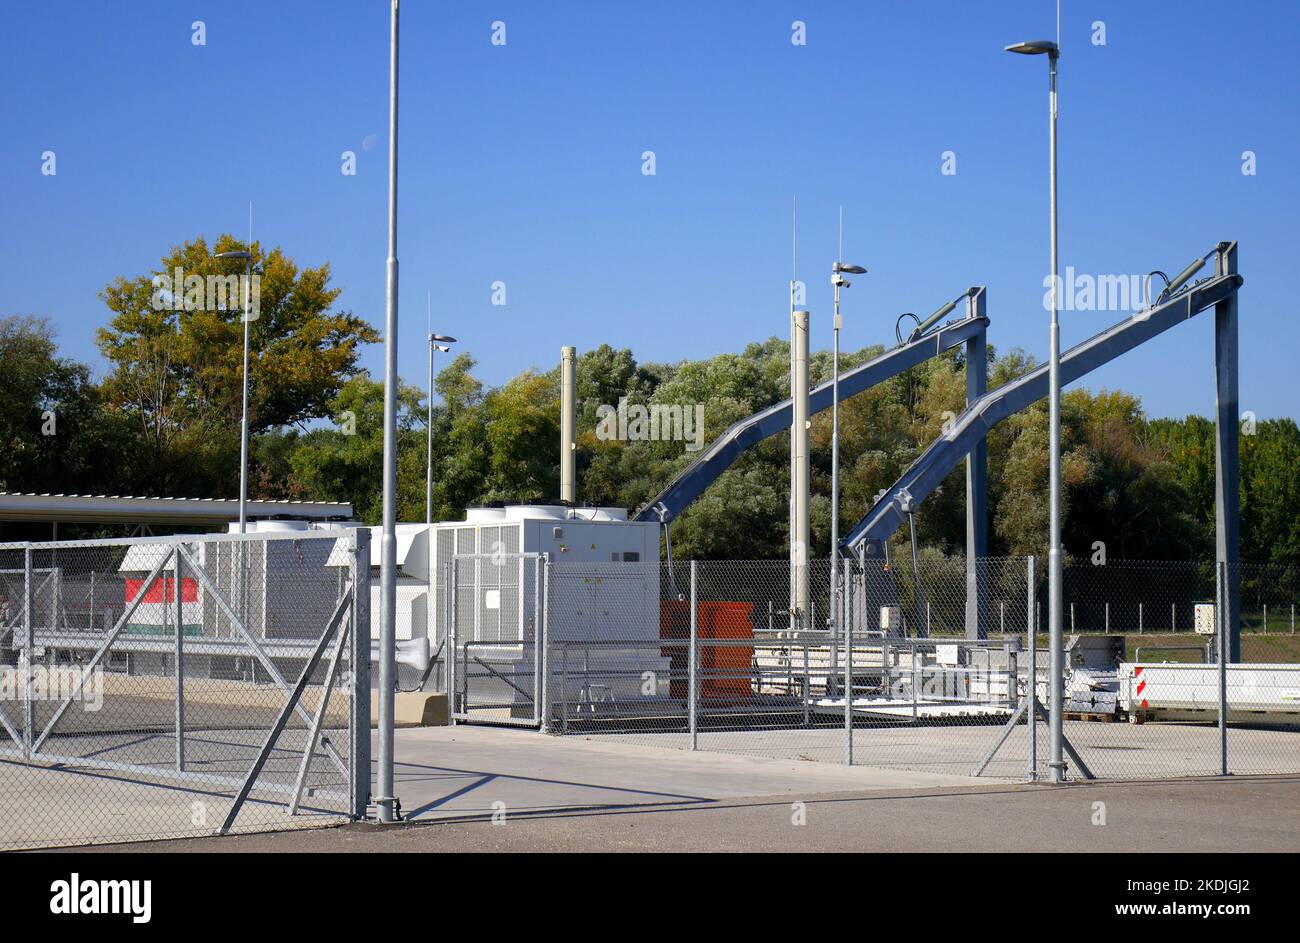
column 744, row 434
column 971, row 427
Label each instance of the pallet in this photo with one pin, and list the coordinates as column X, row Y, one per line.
column 1094, row 717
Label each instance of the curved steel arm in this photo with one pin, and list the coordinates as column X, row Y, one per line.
column 739, row 436
column 947, row 452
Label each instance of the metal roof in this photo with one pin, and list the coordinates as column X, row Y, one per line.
column 132, row 509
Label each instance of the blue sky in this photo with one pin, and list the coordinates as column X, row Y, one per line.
column 522, row 163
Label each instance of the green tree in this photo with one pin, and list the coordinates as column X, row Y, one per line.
column 53, row 434
column 346, row 462
column 176, row 355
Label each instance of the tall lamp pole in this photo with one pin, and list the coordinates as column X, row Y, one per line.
column 436, row 342
column 247, row 258
column 838, row 271
column 386, row 801
column 1054, row 628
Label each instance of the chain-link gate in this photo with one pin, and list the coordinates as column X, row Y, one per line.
column 160, row 687
column 493, row 609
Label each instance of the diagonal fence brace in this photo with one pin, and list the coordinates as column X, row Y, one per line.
column 262, row 657
column 293, row 703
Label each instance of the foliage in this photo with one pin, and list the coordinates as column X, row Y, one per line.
column 165, row 420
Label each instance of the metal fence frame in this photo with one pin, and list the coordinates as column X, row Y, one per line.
column 348, row 629
column 456, row 655
column 574, row 667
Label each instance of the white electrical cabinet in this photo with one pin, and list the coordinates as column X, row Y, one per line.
column 605, row 583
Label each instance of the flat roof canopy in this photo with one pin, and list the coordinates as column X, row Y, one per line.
column 114, row 509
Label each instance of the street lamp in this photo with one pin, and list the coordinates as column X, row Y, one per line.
column 247, row 258
column 1055, row 727
column 838, row 271
column 436, row 342
column 386, row 801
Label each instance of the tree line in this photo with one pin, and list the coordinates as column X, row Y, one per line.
column 164, row 420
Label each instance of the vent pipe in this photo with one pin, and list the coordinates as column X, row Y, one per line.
column 568, row 423
column 799, row 470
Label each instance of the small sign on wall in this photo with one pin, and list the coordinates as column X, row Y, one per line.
column 492, row 599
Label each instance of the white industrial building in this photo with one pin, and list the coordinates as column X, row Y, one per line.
column 491, row 543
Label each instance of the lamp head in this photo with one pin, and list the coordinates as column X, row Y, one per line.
column 442, row 338
column 235, row 254
column 1036, row 47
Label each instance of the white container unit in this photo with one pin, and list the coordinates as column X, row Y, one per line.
column 285, row 589
column 1259, row 693
column 601, row 605
column 496, row 598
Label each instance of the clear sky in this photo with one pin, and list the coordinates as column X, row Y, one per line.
column 522, row 163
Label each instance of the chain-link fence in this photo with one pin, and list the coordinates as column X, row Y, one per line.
column 160, row 688
column 491, row 658
column 929, row 666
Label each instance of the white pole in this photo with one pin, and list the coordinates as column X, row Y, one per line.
column 799, row 450
column 428, row 461
column 243, row 422
column 568, row 432
column 388, row 545
column 1055, row 587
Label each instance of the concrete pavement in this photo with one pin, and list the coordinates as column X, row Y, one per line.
column 1245, row 815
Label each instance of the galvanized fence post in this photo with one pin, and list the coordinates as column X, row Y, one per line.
column 1222, row 620
column 806, row 685
column 453, row 617
column 180, row 662
column 544, row 693
column 359, row 656
column 847, row 635
column 29, row 645
column 1033, row 671
column 692, row 695
column 537, row 639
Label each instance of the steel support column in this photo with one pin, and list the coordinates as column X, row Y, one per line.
column 1227, row 432
column 977, row 475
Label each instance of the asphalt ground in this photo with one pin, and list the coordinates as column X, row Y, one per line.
column 1258, row 814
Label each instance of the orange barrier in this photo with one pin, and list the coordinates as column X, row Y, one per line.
column 724, row 670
